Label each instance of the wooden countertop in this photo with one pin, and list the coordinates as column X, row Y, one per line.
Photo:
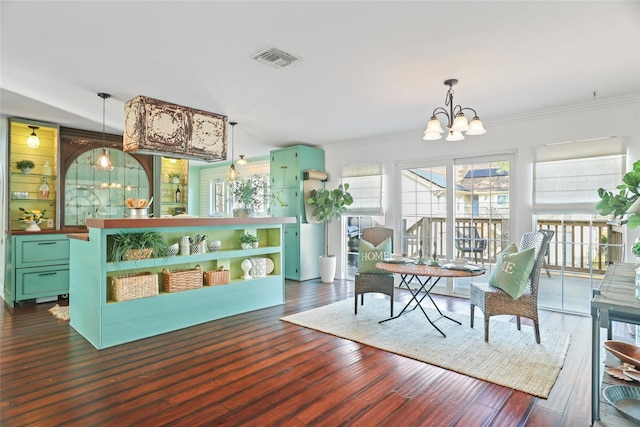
column 184, row 222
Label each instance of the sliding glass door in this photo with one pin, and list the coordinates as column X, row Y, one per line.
column 458, row 209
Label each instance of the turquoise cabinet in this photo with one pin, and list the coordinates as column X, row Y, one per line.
column 105, row 322
column 302, row 251
column 303, row 242
column 40, row 267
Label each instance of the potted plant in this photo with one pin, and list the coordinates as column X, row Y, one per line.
column 25, row 166
column 248, row 240
column 132, row 246
column 618, row 204
column 327, row 206
column 251, row 194
column 174, row 177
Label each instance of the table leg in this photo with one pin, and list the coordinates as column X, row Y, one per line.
column 595, row 364
column 414, row 297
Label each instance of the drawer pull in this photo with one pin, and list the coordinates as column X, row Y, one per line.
column 48, row 274
column 47, row 243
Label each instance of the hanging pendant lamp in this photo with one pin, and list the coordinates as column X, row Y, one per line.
column 233, row 174
column 33, row 141
column 104, row 162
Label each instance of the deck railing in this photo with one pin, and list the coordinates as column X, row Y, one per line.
column 576, row 245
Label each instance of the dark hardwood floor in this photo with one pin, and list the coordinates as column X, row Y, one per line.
column 253, row 369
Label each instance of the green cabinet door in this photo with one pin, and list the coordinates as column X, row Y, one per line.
column 284, row 168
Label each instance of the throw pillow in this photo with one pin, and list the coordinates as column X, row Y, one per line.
column 512, row 270
column 369, row 255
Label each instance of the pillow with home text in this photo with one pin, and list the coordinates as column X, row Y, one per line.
column 369, row 255
column 512, row 270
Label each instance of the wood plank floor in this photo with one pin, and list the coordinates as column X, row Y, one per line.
column 253, row 369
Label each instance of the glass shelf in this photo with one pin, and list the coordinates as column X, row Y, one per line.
column 32, row 174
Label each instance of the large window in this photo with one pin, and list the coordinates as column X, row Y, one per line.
column 566, row 178
column 365, row 185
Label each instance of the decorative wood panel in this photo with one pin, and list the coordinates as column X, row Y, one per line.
column 160, row 128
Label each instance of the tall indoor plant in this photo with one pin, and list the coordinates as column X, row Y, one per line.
column 327, row 206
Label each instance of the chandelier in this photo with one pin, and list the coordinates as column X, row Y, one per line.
column 456, row 120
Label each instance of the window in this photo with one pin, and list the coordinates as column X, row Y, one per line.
column 566, row 176
column 365, row 185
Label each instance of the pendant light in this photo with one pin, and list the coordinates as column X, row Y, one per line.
column 242, row 161
column 33, row 141
column 456, row 120
column 103, row 163
column 233, row 174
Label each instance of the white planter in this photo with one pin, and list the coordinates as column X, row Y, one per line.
column 327, row 268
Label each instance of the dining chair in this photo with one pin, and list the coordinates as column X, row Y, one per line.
column 468, row 241
column 374, row 282
column 494, row 301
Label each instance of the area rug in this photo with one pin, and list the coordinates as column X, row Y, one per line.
column 60, row 312
column 511, row 358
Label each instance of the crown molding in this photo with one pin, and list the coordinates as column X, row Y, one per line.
column 568, row 109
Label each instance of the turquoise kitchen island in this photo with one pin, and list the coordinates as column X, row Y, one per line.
column 105, row 322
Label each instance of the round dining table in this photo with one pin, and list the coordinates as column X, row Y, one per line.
column 410, row 271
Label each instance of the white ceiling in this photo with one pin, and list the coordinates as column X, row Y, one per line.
column 368, row 67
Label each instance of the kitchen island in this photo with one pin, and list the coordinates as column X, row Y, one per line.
column 106, row 322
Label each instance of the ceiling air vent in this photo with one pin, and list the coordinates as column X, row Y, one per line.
column 275, row 57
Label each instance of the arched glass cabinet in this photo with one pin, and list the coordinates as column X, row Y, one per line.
column 91, row 193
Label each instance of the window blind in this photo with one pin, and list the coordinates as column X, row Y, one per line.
column 365, row 185
column 566, row 176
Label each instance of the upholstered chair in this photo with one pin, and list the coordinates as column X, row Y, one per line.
column 494, row 301
column 369, row 279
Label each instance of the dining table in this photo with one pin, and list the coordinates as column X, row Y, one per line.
column 427, row 277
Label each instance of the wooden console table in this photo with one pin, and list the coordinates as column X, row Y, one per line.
column 614, row 300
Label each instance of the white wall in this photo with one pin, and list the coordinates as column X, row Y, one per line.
column 519, row 134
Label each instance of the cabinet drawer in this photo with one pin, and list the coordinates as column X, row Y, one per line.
column 31, row 253
column 41, row 282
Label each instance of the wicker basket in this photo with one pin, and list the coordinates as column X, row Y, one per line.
column 216, row 277
column 133, row 286
column 136, row 254
column 181, row 280
column 258, row 267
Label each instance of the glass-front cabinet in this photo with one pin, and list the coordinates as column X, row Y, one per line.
column 173, row 186
column 33, row 173
column 94, row 193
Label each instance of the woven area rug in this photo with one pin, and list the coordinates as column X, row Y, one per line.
column 60, row 312
column 511, row 358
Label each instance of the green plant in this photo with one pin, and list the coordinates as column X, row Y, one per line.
column 248, row 238
column 32, row 215
column 618, row 204
column 122, row 242
column 636, row 249
column 173, row 175
column 25, row 164
column 253, row 193
column 328, row 205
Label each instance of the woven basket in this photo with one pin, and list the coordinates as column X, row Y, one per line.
column 181, row 280
column 133, row 286
column 136, row 254
column 216, row 277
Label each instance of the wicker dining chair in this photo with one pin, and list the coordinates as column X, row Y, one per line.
column 494, row 301
column 371, row 282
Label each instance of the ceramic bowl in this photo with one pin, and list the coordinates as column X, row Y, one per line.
column 626, row 352
column 397, row 257
column 173, row 249
column 214, row 245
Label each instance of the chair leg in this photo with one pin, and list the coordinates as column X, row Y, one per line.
column 536, row 328
column 391, row 297
column 486, row 328
column 518, row 322
column 471, row 318
column 355, row 305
